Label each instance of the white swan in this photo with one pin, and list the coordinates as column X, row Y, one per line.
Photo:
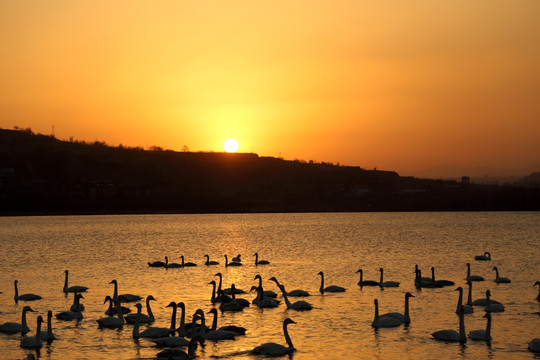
column 71, row 315
column 234, row 304
column 274, row 349
column 440, row 282
column 239, row 330
column 111, row 322
column 467, row 309
column 226, row 291
column 157, row 263
column 363, row 282
column 298, row 305
column 33, row 342
column 500, row 279
column 237, row 258
column 143, row 318
column 452, row 335
column 424, row 282
column 537, row 296
column 260, row 262
column 214, row 334
column 292, row 293
column 217, row 295
column 48, row 335
column 24, row 297
column 112, row 310
column 386, row 283
column 153, row 331
column 331, row 288
column 472, row 277
column 72, row 289
column 485, row 301
column 234, row 263
column 266, row 293
column 171, row 265
column 76, row 306
column 208, row 262
column 123, row 297
column 405, row 317
column 186, row 264
column 492, row 305
column 482, row 335
column 13, row 327
column 386, row 321
column 534, row 345
column 485, row 257
column 178, row 354
column 263, row 302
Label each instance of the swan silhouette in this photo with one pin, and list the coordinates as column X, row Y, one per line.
column 218, row 296
column 153, row 331
column 363, row 282
column 77, row 306
column 405, row 317
column 467, row 309
column 440, row 282
column 500, row 279
column 123, row 297
column 331, row 288
column 237, row 258
column 208, row 262
column 13, row 327
column 33, row 342
column 112, row 310
column 300, row 305
column 235, row 304
column 143, row 318
column 260, row 262
column 492, row 305
column 482, row 335
column 186, row 264
column 214, row 334
column 534, row 345
column 485, row 301
column 263, row 302
column 239, row 330
column 70, row 314
column 452, row 335
column 229, row 290
column 424, row 282
column 472, row 277
column 234, row 263
column 292, row 293
column 386, row 321
column 72, row 289
column 266, row 293
column 485, row 257
column 386, row 283
column 157, row 263
column 171, row 265
column 178, row 354
column 111, row 322
column 48, row 335
column 274, row 349
column 24, row 297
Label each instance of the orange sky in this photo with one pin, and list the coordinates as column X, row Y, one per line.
column 397, row 85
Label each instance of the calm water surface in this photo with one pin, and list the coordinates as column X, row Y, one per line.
column 98, row 249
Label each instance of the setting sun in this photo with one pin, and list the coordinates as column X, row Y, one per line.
column 230, row 145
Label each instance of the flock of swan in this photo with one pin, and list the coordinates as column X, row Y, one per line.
column 194, row 333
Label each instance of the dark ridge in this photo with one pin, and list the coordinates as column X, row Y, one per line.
column 40, row 174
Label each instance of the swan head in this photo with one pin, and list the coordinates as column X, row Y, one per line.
column 253, row 288
column 487, row 315
column 79, row 296
column 258, row 276
column 40, row 319
column 172, row 304
column 536, row 283
column 381, row 269
column 468, row 265
column 199, row 314
column 113, row 282
column 408, row 295
column 460, row 289
column 138, row 306
column 212, row 283
column 359, row 271
column 218, row 274
column 273, row 278
column 320, row 273
column 376, row 302
column 66, row 271
column 288, row 321
column 212, row 311
column 494, row 268
column 16, row 282
column 27, row 308
column 488, row 293
column 150, row 297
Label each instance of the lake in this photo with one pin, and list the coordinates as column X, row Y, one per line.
column 97, row 249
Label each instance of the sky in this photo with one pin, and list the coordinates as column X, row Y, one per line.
column 419, row 87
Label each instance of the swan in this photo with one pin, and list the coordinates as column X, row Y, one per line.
column 472, row 277
column 226, row 291
column 112, row 310
column 214, row 334
column 499, row 279
column 492, row 305
column 423, row 282
column 266, row 293
column 485, row 257
column 405, row 317
column 186, row 264
column 239, row 330
column 170, row 341
column 143, row 318
column 24, row 297
column 386, row 321
column 171, row 265
column 178, row 354
column 363, row 282
column 156, row 264
column 208, row 262
column 72, row 289
column 452, row 335
column 48, row 335
column 123, row 297
column 237, row 258
column 469, row 293
column 298, row 305
column 537, row 296
column 386, row 283
column 263, row 302
column 71, row 315
column 440, row 282
column 467, row 309
column 260, row 262
column 331, row 288
column 234, row 263
column 220, row 296
column 274, row 349
column 152, row 332
column 234, row 304
column 33, row 342
column 292, row 293
column 482, row 335
column 111, row 322
column 13, row 327
column 485, row 301
column 182, row 328
column 534, row 345
column 76, row 306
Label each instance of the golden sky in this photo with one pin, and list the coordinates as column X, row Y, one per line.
column 397, row 85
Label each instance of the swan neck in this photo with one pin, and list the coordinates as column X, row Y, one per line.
column 287, row 337
column 361, row 276
column 16, row 291
column 38, row 329
column 286, row 298
column 66, row 282
column 406, row 312
column 460, row 300
column 119, row 310
column 23, row 320
column 136, row 329
column 203, row 325
column 220, row 283
column 214, row 321
column 49, row 324
column 381, row 278
column 376, row 311
column 496, row 272
column 469, row 295
column 149, row 309
column 115, row 293
column 213, row 298
column 321, row 289
column 462, row 326
column 192, row 347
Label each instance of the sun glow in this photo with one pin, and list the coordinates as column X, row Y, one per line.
column 230, row 145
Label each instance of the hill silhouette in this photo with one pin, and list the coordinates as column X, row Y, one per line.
column 40, row 174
